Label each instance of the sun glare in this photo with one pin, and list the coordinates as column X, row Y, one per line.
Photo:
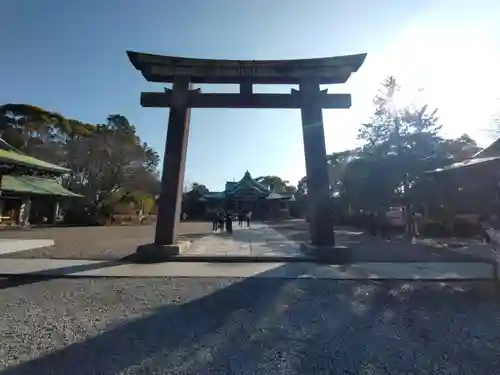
column 451, row 69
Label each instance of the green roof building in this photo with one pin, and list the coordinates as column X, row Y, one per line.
column 248, row 194
column 30, row 192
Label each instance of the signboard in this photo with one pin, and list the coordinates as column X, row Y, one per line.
column 256, row 74
column 158, row 68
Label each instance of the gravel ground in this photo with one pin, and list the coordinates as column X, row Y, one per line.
column 365, row 249
column 253, row 326
column 100, row 243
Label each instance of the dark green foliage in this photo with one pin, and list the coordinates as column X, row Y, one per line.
column 105, row 159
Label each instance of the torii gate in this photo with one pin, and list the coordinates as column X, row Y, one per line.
column 309, row 74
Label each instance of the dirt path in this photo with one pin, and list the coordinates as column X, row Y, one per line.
column 114, row 242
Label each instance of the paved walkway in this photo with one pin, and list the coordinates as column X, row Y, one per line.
column 259, row 240
column 460, row 246
column 360, row 271
column 13, row 245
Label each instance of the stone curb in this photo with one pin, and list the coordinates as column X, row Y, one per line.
column 327, row 254
column 360, row 271
column 14, row 245
column 228, row 259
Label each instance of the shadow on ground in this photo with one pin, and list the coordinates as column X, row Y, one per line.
column 258, row 326
column 13, row 281
column 362, row 248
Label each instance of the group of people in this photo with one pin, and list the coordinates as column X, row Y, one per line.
column 223, row 220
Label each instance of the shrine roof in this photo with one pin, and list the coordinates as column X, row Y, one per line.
column 230, row 185
column 488, row 154
column 466, row 163
column 275, row 195
column 328, row 70
column 247, row 182
column 35, row 185
column 492, row 150
column 214, row 195
column 16, row 159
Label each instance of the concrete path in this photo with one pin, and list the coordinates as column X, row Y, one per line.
column 12, row 245
column 360, row 271
column 259, row 240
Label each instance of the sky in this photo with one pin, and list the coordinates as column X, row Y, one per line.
column 70, row 57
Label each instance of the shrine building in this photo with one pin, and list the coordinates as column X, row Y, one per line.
column 248, row 194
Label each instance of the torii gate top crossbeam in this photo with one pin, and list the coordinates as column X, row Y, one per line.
column 157, row 68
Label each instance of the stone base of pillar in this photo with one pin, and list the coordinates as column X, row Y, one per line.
column 321, row 229
column 154, row 253
column 327, row 254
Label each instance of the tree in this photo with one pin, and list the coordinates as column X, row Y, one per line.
column 369, row 184
column 399, row 144
column 273, row 183
column 337, row 162
column 459, row 149
column 105, row 159
column 191, row 200
column 33, row 130
column 302, row 186
column 109, row 159
column 198, row 188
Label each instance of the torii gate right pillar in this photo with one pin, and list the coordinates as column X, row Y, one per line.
column 318, row 190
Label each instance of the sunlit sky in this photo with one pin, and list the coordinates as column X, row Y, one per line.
column 69, row 56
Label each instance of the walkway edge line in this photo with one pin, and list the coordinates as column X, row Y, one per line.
column 359, row 271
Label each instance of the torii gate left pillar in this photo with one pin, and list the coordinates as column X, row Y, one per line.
column 174, row 165
column 172, row 178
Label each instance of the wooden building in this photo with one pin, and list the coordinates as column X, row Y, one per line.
column 249, row 195
column 30, row 192
column 464, row 191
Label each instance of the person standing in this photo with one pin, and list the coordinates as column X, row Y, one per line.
column 384, row 225
column 141, row 216
column 215, row 221
column 416, row 219
column 240, row 218
column 220, row 220
column 249, row 218
column 229, row 222
column 372, row 224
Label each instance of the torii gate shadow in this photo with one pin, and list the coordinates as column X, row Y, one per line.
column 238, row 328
